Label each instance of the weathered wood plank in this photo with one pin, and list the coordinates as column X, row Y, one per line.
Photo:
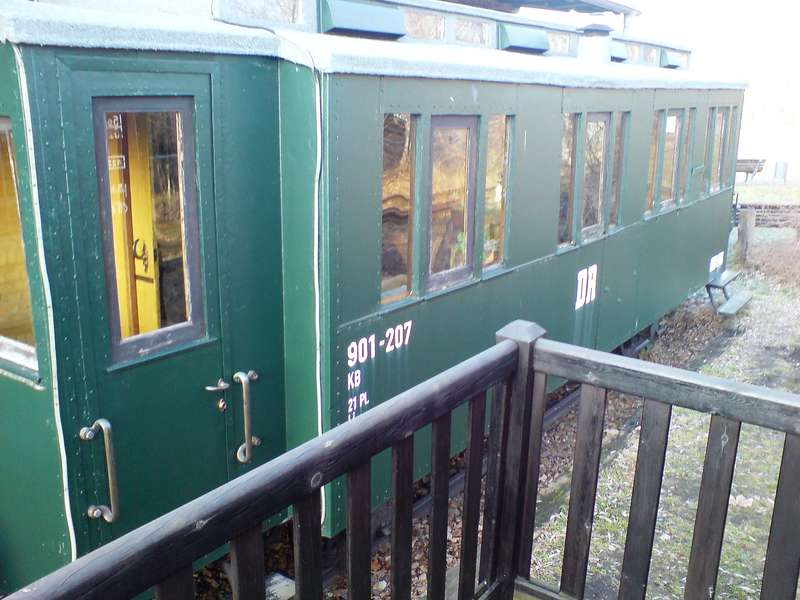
column 440, row 488
column 770, row 408
column 515, row 465
column 196, row 528
column 783, row 551
column 178, row 586
column 359, row 533
column 532, row 478
column 472, row 498
column 712, row 508
column 307, row 527
column 645, row 499
column 403, row 495
column 495, row 456
column 583, row 491
column 247, row 565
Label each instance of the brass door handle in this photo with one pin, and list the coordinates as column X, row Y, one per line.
column 245, row 452
column 87, row 434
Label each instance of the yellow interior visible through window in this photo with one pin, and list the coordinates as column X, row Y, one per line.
column 16, row 316
column 146, row 195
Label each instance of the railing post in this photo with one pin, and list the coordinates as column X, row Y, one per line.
column 509, row 539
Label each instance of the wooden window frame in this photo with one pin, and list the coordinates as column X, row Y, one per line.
column 194, row 328
column 592, row 232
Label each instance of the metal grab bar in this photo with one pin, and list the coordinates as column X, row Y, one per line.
column 87, row 434
column 245, row 452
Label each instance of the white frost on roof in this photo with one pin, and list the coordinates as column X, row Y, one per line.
column 23, row 22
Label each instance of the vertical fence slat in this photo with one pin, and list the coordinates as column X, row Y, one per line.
column 494, row 480
column 583, row 490
column 359, row 532
column 247, row 565
column 440, row 487
column 403, row 494
column 783, row 550
column 712, row 508
column 472, row 498
column 532, row 478
column 307, row 527
column 644, row 499
column 178, row 586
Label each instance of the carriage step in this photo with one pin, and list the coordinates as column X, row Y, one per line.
column 735, row 304
column 724, row 278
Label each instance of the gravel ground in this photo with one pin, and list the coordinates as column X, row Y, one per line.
column 761, row 345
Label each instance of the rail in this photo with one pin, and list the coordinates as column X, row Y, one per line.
column 161, row 553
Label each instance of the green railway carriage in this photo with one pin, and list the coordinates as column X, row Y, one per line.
column 217, row 241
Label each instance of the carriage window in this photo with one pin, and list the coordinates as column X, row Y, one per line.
column 621, row 140
column 567, row 195
column 708, row 152
column 671, row 147
column 718, row 154
column 16, row 316
column 150, row 216
column 686, row 157
column 398, row 176
column 652, row 168
column 452, row 198
column 495, row 198
column 594, row 172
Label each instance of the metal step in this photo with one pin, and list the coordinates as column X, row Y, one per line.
column 735, row 304
column 723, row 279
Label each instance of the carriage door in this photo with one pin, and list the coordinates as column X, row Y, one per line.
column 181, row 334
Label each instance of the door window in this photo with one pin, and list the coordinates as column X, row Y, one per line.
column 150, row 222
column 16, row 316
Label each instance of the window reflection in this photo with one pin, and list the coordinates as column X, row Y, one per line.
column 594, row 175
column 720, row 123
column 495, row 196
column 653, row 163
column 672, row 131
column 147, row 217
column 450, row 210
column 16, row 316
column 567, row 179
column 620, row 144
column 686, row 159
column 398, row 173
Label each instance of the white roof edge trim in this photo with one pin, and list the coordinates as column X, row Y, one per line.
column 23, row 22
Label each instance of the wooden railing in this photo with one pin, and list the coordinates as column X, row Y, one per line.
column 730, row 404
column 160, row 554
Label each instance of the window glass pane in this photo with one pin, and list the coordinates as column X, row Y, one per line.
column 559, row 42
column 16, row 317
column 653, row 164
column 594, row 170
column 708, row 152
column 634, row 52
column 495, row 196
column 650, row 55
column 398, row 175
column 686, row 158
column 621, row 140
column 145, row 162
column 423, row 25
column 672, row 131
column 719, row 151
column 450, row 151
column 472, row 32
column 731, row 147
column 567, row 179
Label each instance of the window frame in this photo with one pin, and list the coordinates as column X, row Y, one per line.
column 194, row 328
column 14, row 352
column 578, row 120
column 592, row 232
column 621, row 119
column 672, row 200
column 444, row 279
column 483, row 154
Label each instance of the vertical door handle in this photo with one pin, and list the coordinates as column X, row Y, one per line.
column 245, row 452
column 87, row 434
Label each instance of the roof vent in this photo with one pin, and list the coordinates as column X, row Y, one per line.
column 360, row 19
column 595, row 43
column 523, row 39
